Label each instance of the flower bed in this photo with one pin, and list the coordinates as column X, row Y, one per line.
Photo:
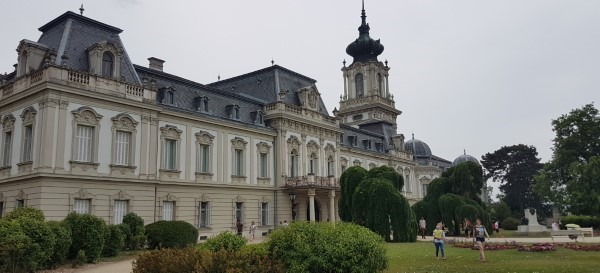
column 538, row 247
column 582, row 247
column 488, row 246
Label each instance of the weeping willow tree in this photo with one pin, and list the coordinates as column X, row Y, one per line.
column 376, row 203
column 454, row 197
column 348, row 183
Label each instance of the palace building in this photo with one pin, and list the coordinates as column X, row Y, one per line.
column 85, row 130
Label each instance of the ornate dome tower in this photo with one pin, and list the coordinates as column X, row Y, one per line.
column 366, row 97
column 465, row 158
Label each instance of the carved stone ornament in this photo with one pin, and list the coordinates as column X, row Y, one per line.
column 312, row 147
column 357, row 162
column 238, row 143
column 263, row 148
column 344, row 161
column 329, row 150
column 123, row 196
column 205, row 198
column 170, row 132
column 86, row 116
column 293, row 143
column 106, row 46
column 8, row 122
column 28, row 115
column 20, row 195
column 124, row 122
column 204, row 138
column 170, row 198
column 83, row 194
column 312, row 99
column 239, row 199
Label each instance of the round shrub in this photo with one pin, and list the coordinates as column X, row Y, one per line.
column 322, row 247
column 134, row 232
column 224, row 241
column 171, row 234
column 18, row 253
column 88, row 234
column 41, row 234
column 63, row 243
column 510, row 223
column 115, row 241
column 183, row 260
column 25, row 213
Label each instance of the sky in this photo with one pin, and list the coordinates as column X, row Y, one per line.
column 467, row 75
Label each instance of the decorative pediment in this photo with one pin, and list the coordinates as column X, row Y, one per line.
column 265, row 199
column 312, row 147
column 205, row 198
column 204, row 138
column 238, row 143
column 293, row 143
column 329, row 150
column 124, row 122
column 357, row 162
column 8, row 122
column 344, row 161
column 28, row 115
column 86, row 116
column 171, row 132
column 263, row 147
column 106, row 46
column 20, row 195
column 83, row 194
column 170, row 198
column 239, row 199
column 309, row 96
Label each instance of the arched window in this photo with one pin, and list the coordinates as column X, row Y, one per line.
column 360, row 88
column 107, row 64
column 380, row 84
column 294, row 163
column 330, row 166
column 169, row 97
column 23, row 64
column 205, row 105
column 312, row 166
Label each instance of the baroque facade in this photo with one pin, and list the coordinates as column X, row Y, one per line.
column 85, row 130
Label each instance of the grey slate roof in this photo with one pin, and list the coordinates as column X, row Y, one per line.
column 79, row 33
column 265, row 84
column 362, row 136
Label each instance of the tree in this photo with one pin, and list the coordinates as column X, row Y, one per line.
column 584, row 188
column 348, row 183
column 577, row 141
column 514, row 167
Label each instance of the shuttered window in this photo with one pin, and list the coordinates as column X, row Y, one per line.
column 27, row 143
column 168, row 210
column 204, row 214
column 265, row 212
column 121, row 207
column 239, row 162
column 170, row 154
column 84, row 140
column 264, row 163
column 122, row 148
column 204, row 159
column 6, row 149
column 81, row 206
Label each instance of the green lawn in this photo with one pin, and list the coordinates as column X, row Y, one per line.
column 419, row 257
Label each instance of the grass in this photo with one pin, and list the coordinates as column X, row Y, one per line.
column 419, row 257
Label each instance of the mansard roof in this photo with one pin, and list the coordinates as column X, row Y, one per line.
column 363, row 135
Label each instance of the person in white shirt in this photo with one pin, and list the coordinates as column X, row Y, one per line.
column 555, row 226
column 422, row 227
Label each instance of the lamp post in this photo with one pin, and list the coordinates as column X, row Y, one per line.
column 293, row 200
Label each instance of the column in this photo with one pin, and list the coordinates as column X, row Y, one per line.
column 322, row 171
column 387, row 87
column 332, row 206
column 153, row 143
column 311, row 204
column 62, row 138
column 144, row 147
column 49, row 122
column 345, row 87
column 303, row 156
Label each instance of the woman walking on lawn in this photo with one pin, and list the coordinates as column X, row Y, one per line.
column 480, row 235
column 438, row 240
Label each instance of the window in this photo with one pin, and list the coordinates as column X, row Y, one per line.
column 239, row 211
column 20, row 203
column 380, row 84
column 121, row 207
column 84, row 141
column 1, row 209
column 239, row 162
column 6, row 150
column 330, row 166
column 294, row 164
column 107, row 64
column 205, row 104
column 204, row 214
column 360, row 88
column 264, row 163
column 27, row 143
column 170, row 154
column 204, row 159
column 122, row 148
column 168, row 210
column 236, row 113
column 81, row 206
column 407, row 183
column 264, row 213
column 169, row 98
column 425, row 187
column 312, row 165
column 233, row 111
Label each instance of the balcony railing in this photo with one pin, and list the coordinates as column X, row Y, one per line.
column 280, row 107
column 79, row 79
column 311, row 181
column 367, row 100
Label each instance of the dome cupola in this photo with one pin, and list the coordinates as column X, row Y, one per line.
column 465, row 158
column 364, row 48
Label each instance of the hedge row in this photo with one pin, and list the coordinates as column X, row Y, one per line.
column 583, row 221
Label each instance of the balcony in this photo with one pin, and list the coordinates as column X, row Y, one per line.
column 312, row 182
column 367, row 100
column 79, row 79
column 278, row 107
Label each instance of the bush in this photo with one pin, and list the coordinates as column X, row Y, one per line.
column 226, row 241
column 321, row 247
column 63, row 243
column 18, row 253
column 510, row 223
column 583, row 221
column 40, row 233
column 115, row 241
column 88, row 234
column 133, row 228
column 25, row 213
column 169, row 261
column 171, row 234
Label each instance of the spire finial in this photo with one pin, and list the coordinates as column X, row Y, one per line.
column 465, row 151
column 219, row 77
column 272, row 61
column 363, row 14
column 344, row 62
column 413, row 135
column 81, row 9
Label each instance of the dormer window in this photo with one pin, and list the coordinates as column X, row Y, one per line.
column 367, row 144
column 201, row 104
column 258, row 117
column 107, row 64
column 353, row 140
column 169, row 97
column 233, row 111
column 379, row 147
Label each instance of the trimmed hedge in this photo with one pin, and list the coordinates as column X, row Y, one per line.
column 224, row 241
column 133, row 228
column 582, row 221
column 171, row 234
column 25, row 213
column 88, row 234
column 510, row 223
column 63, row 243
column 18, row 253
column 115, row 241
column 321, row 247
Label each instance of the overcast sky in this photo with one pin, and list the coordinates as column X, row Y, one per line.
column 474, row 75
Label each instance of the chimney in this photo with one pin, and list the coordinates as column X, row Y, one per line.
column 156, row 63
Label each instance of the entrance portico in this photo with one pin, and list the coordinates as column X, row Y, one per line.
column 313, row 192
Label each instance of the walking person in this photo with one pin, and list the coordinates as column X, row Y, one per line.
column 480, row 235
column 438, row 239
column 422, row 227
column 252, row 229
column 240, row 227
column 497, row 228
column 468, row 228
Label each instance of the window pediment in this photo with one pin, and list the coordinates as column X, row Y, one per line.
column 293, row 143
column 205, row 138
column 124, row 122
column 263, row 147
column 329, row 150
column 8, row 122
column 86, row 116
column 312, row 147
column 170, row 131
column 238, row 143
column 28, row 115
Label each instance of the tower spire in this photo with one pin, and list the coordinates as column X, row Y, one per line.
column 363, row 14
